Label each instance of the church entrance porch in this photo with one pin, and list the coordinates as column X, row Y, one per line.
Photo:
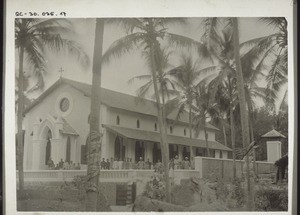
column 51, row 139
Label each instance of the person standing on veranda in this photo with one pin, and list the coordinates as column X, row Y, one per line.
column 141, row 163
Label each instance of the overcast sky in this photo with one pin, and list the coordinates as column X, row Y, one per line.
column 116, row 74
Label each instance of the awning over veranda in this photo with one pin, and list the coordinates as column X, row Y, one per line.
column 155, row 137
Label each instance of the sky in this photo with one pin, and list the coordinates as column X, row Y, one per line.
column 117, row 72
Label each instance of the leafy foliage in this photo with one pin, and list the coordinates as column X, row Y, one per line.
column 155, row 188
column 268, row 199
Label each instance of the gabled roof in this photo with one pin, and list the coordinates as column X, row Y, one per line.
column 67, row 129
column 152, row 136
column 273, row 134
column 114, row 99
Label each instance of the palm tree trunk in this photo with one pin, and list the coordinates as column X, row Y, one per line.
column 20, row 119
column 206, row 142
column 243, row 109
column 94, row 140
column 251, row 120
column 190, row 130
column 224, row 134
column 162, row 126
column 232, row 128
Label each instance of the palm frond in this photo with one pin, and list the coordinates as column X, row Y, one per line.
column 40, row 84
column 122, row 46
column 140, row 78
column 174, row 21
column 56, row 43
column 276, row 75
column 34, row 56
column 256, row 41
column 182, row 41
column 128, row 24
column 143, row 90
column 276, row 22
column 284, row 102
column 40, row 24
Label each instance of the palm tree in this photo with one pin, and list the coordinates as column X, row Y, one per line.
column 268, row 55
column 146, row 33
column 166, row 85
column 186, row 79
column 210, row 38
column 222, row 81
column 226, row 97
column 95, row 138
column 32, row 36
column 204, row 108
column 243, row 108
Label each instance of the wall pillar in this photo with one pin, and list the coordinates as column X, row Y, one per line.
column 199, row 165
column 273, row 150
column 217, row 153
column 225, row 154
column 56, row 150
column 180, row 151
column 104, row 145
column 192, row 152
column 38, row 154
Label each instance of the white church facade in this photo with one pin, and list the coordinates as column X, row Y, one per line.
column 56, row 125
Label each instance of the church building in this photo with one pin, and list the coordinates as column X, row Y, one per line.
column 56, row 126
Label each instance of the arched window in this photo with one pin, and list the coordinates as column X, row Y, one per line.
column 155, row 127
column 171, row 129
column 184, row 132
column 48, row 147
column 118, row 120
column 138, row 123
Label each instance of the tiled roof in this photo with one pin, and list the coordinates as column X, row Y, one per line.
column 116, row 100
column 155, row 137
column 273, row 133
column 67, row 128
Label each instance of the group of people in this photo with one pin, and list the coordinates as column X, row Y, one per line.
column 175, row 163
column 65, row 165
column 114, row 164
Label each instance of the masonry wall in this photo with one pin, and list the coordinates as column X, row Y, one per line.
column 216, row 168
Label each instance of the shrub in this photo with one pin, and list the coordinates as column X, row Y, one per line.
column 231, row 194
column 155, row 188
column 237, row 192
column 222, row 190
column 182, row 195
column 270, row 199
column 79, row 182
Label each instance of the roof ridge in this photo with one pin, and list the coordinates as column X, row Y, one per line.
column 121, row 101
column 66, row 80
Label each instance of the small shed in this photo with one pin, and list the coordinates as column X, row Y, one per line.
column 273, row 141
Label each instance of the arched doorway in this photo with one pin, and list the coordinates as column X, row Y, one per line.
column 48, row 146
column 68, row 150
column 139, row 150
